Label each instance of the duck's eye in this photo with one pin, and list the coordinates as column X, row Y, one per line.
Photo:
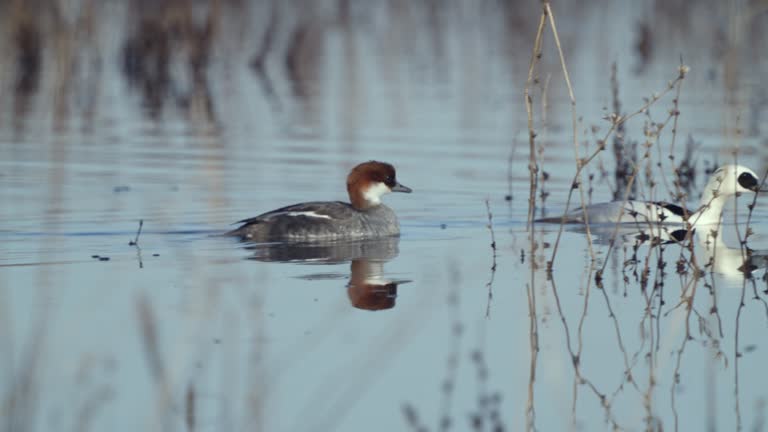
column 390, row 180
column 747, row 181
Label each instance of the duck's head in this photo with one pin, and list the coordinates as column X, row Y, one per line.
column 733, row 179
column 367, row 182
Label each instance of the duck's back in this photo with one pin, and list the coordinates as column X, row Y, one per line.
column 319, row 221
column 641, row 212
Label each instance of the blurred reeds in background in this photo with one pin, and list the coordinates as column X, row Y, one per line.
column 175, row 53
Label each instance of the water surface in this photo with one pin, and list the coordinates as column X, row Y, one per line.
column 190, row 118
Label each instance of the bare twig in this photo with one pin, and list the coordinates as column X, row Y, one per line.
column 616, row 121
column 489, row 285
column 533, row 168
column 533, row 174
column 135, row 241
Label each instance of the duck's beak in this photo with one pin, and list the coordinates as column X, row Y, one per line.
column 400, row 188
column 756, row 188
column 761, row 182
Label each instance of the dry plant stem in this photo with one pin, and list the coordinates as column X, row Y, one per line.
column 541, row 146
column 655, row 337
column 579, row 379
column 676, row 113
column 510, row 176
column 714, row 309
column 747, row 229
column 580, row 328
column 614, row 124
column 138, row 256
column 532, row 166
column 654, row 228
column 544, row 100
column 135, row 241
column 533, row 173
column 627, row 190
column 742, row 240
column 489, row 285
column 633, row 363
column 581, row 163
column 657, row 137
column 622, row 348
column 689, row 308
column 648, row 298
column 737, row 355
column 548, row 12
column 673, row 116
column 621, row 213
column 656, row 231
column 754, row 200
column 530, row 411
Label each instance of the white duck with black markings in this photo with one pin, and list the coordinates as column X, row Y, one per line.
column 724, row 183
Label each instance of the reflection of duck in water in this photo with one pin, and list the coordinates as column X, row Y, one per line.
column 727, row 181
column 368, row 288
column 366, row 217
column 330, row 252
column 730, row 262
column 717, row 256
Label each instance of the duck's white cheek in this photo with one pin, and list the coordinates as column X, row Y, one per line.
column 374, row 192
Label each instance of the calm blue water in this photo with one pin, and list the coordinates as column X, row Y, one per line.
column 194, row 331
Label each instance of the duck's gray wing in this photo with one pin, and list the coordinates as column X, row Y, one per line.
column 332, row 210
